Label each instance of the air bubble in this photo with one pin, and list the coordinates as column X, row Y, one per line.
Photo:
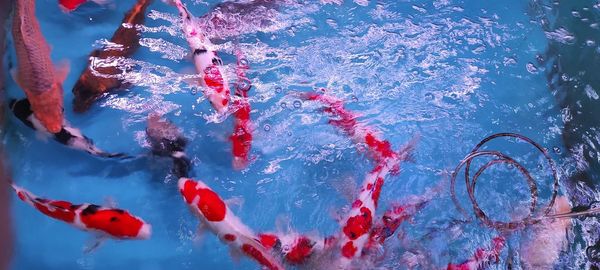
column 283, row 105
column 267, row 127
column 354, row 98
column 243, row 86
column 556, row 149
column 429, row 96
column 278, row 90
column 243, row 62
column 297, row 104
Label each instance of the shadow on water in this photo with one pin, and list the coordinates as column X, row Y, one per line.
column 572, row 61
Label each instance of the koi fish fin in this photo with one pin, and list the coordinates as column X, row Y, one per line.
column 238, row 202
column 14, row 73
column 110, row 202
column 61, row 70
column 235, row 254
column 200, row 233
column 95, row 243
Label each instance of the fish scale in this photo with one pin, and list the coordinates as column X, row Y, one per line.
column 36, row 72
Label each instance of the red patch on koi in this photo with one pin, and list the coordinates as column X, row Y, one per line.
column 117, row 223
column 301, row 250
column 357, row 203
column 359, row 225
column 229, row 237
column 348, row 250
column 377, row 191
column 211, row 205
column 268, row 240
column 61, row 213
column 382, row 148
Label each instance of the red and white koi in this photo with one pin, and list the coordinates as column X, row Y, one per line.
column 482, row 257
column 241, row 138
column 208, row 63
column 107, row 222
column 359, row 222
column 216, row 215
column 296, row 248
column 71, row 5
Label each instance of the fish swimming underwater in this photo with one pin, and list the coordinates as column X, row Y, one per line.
column 71, row 5
column 482, row 258
column 67, row 135
column 166, row 141
column 35, row 73
column 103, row 221
column 241, row 139
column 541, row 248
column 378, row 149
column 90, row 87
column 220, row 220
column 359, row 221
column 208, row 64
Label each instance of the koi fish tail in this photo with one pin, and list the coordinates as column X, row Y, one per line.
column 23, row 194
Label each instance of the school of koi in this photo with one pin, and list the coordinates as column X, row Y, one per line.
column 361, row 235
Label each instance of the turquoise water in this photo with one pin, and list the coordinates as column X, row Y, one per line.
column 452, row 72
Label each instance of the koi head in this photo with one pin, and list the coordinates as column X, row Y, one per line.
column 203, row 200
column 117, row 223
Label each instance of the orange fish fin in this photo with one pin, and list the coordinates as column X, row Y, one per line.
column 61, row 70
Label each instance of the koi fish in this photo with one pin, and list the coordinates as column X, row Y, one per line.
column 241, row 138
column 70, row 5
column 216, row 215
column 380, row 150
column 35, row 73
column 90, row 87
column 359, row 221
column 541, row 248
column 67, row 135
column 482, row 258
column 208, row 63
column 105, row 222
column 296, row 248
column 166, row 141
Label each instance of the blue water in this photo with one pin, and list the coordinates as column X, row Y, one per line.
column 452, row 72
